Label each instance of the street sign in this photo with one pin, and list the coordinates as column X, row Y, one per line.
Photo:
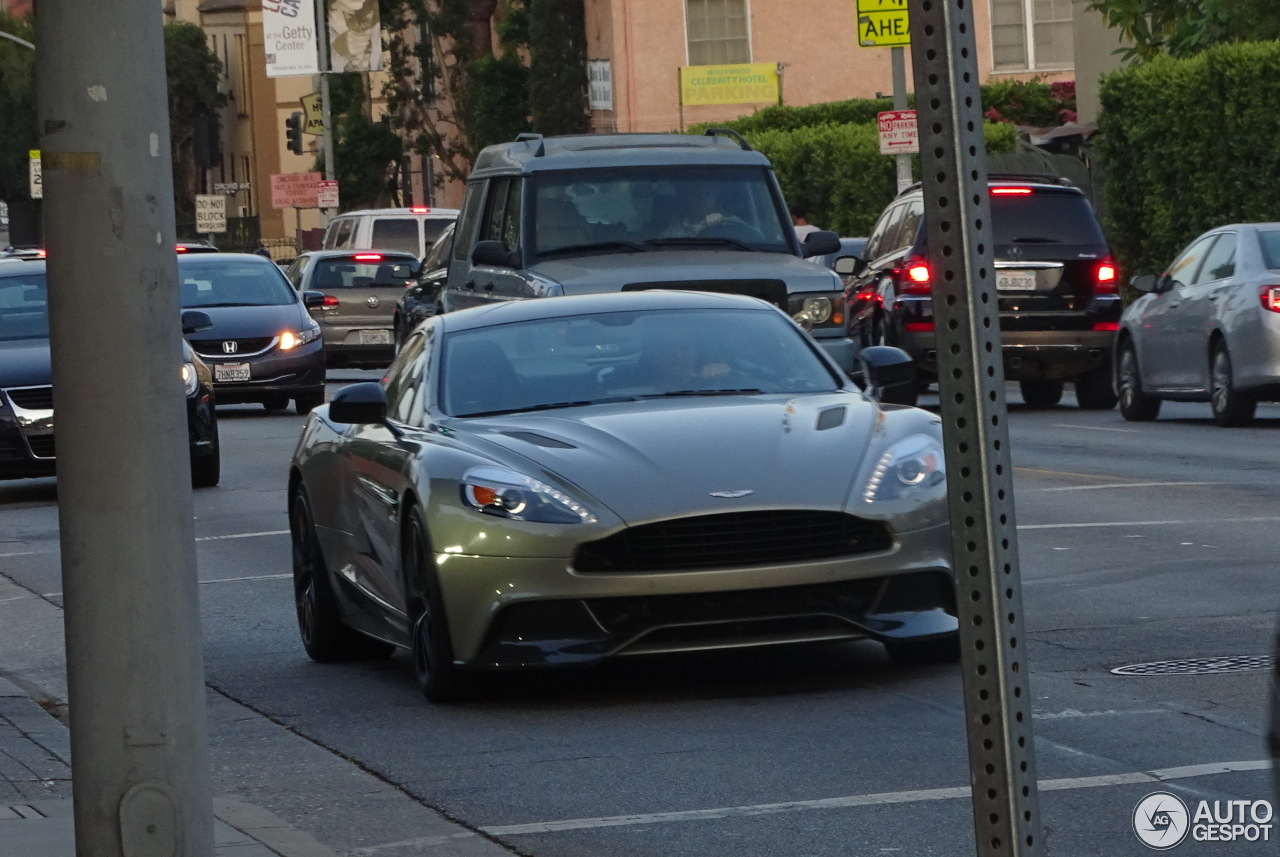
column 883, row 23
column 312, row 115
column 295, row 190
column 230, row 187
column 35, row 174
column 211, row 213
column 327, row 194
column 899, row 134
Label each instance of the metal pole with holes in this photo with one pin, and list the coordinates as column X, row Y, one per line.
column 971, row 389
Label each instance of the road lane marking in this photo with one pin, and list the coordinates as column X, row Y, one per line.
column 1129, row 485
column 1095, row 428
column 878, row 799
column 205, row 582
column 1267, row 520
column 229, row 537
column 1072, row 713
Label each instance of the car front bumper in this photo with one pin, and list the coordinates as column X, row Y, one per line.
column 297, row 372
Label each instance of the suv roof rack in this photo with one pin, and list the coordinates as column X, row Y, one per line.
column 730, row 134
column 532, row 137
column 1039, row 178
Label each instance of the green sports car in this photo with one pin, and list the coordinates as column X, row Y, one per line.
column 553, row 483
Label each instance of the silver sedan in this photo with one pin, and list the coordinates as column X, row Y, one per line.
column 554, row 483
column 1208, row 329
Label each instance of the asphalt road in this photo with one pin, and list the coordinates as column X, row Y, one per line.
column 1138, row 543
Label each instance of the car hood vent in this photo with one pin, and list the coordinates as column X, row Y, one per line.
column 539, row 439
column 831, row 418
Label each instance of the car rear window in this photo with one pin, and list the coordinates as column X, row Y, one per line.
column 361, row 270
column 1269, row 240
column 1044, row 217
column 396, row 233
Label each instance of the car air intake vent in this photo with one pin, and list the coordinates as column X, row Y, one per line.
column 773, row 291
column 215, row 347
column 734, row 539
column 32, row 398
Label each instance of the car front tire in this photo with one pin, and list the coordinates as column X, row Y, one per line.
column 1093, row 390
column 1135, row 405
column 1039, row 393
column 433, row 667
column 1231, row 408
column 936, row 650
column 206, row 470
column 306, row 404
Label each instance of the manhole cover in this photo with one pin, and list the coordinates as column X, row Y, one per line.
column 1198, row 666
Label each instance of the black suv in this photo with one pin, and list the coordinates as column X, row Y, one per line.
column 1055, row 277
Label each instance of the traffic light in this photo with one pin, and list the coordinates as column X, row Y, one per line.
column 293, row 132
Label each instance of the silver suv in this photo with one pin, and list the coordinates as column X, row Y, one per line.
column 554, row 216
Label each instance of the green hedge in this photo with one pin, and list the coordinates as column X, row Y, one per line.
column 1188, row 145
column 838, row 173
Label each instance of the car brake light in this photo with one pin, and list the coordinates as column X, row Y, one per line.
column 1010, row 191
column 368, row 257
column 916, row 279
column 420, row 209
column 1270, row 296
column 918, row 327
column 329, row 302
column 1104, row 278
column 1106, row 325
column 180, row 249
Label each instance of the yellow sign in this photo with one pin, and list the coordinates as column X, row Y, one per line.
column 883, row 23
column 312, row 115
column 729, row 84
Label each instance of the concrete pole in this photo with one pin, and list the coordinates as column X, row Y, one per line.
column 326, row 114
column 135, row 674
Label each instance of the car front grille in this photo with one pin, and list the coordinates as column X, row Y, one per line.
column 734, row 539
column 244, row 347
column 11, row 452
column 32, row 398
column 770, row 291
column 42, row 445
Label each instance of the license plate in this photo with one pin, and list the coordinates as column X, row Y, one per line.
column 1015, row 281
column 224, row 372
column 375, row 337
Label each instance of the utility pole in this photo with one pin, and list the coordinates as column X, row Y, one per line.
column 141, row 780
column 898, row 62
column 322, row 30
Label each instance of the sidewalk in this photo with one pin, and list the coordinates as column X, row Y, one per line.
column 35, row 795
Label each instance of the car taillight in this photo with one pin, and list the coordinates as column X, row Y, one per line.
column 1104, row 278
column 368, row 257
column 330, row 302
column 1010, row 191
column 1270, row 296
column 918, row 327
column 915, row 278
column 180, row 249
column 1106, row 325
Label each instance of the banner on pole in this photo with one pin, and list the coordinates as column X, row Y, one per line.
column 289, row 37
column 355, row 35
column 729, row 84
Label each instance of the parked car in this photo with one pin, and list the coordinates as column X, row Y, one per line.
column 553, row 483
column 411, row 230
column 27, row 441
column 546, row 217
column 195, row 247
column 360, row 289
column 422, row 300
column 1055, row 280
column 1207, row 329
column 263, row 346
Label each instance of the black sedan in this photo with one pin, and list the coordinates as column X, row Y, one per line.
column 27, row 446
column 263, row 346
column 422, row 300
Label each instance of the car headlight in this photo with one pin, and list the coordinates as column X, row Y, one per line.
column 190, row 380
column 810, row 311
column 508, row 494
column 289, row 339
column 913, row 464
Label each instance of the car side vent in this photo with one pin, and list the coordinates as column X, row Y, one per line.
column 539, row 440
column 831, row 418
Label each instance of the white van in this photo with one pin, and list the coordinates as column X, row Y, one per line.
column 412, row 230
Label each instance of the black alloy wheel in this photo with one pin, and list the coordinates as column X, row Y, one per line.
column 1230, row 407
column 324, row 636
column 936, row 650
column 1093, row 390
column 433, row 667
column 1135, row 405
column 1039, row 393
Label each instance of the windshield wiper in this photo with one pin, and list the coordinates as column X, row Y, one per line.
column 693, row 242
column 551, row 406
column 629, row 246
column 740, row 391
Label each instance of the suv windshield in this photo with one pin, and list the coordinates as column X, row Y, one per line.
column 644, row 208
column 24, row 307
column 1044, row 217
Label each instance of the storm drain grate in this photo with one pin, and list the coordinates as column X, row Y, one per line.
column 1198, row 666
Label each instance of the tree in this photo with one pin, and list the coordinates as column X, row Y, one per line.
column 18, row 127
column 558, row 67
column 366, row 154
column 194, row 72
column 1182, row 28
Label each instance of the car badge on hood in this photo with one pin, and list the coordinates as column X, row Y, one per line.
column 731, row 495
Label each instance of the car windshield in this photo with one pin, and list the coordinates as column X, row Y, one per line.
column 627, row 356
column 362, row 269
column 24, row 307
column 207, row 283
column 1269, row 240
column 655, row 208
column 1045, row 217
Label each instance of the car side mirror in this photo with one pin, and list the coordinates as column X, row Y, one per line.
column 850, row 265
column 886, row 370
column 359, row 404
column 1145, row 283
column 194, row 321
column 312, row 299
column 820, row 243
column 493, row 253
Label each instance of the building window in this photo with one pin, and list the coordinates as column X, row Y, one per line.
column 718, row 32
column 1031, row 35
